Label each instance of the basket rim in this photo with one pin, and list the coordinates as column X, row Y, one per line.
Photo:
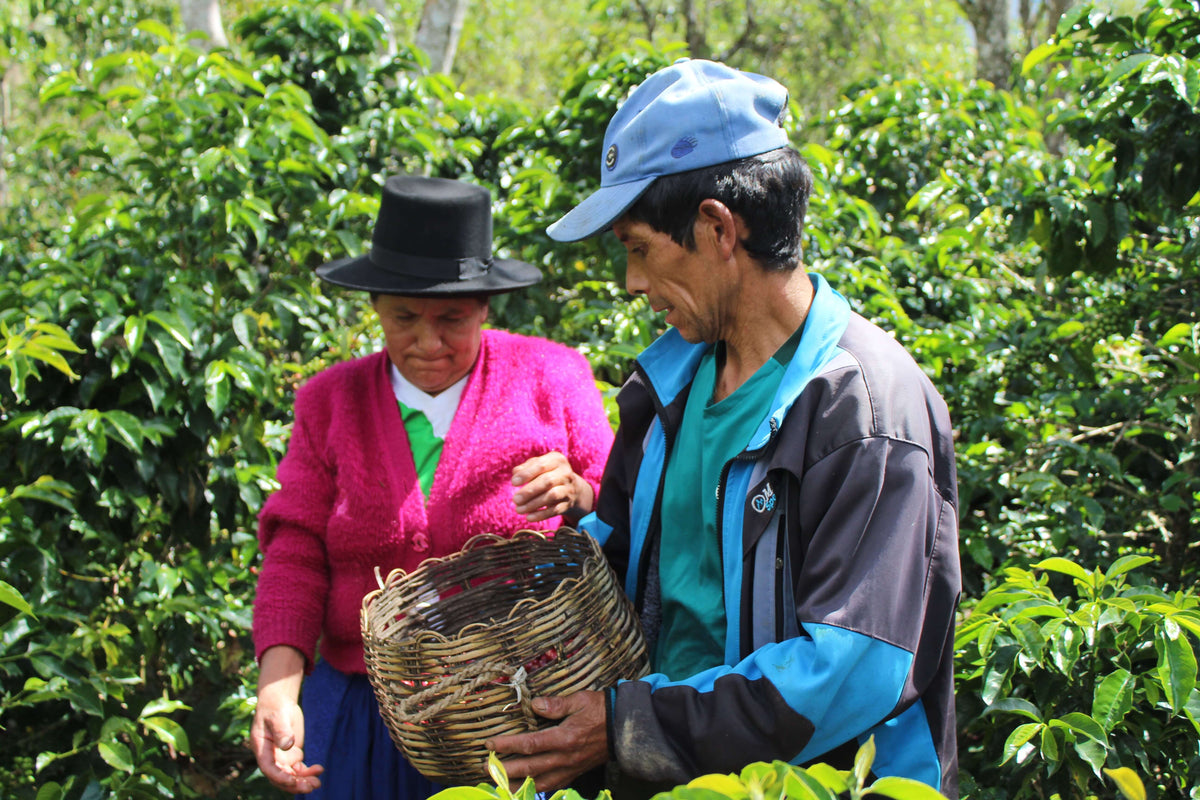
column 590, row 564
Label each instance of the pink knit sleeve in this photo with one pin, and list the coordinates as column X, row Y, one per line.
column 588, row 429
column 293, row 585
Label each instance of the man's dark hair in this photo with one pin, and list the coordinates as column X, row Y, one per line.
column 769, row 192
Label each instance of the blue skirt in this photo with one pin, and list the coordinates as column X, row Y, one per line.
column 344, row 732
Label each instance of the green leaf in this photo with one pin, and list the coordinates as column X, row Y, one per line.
column 1093, row 753
column 50, row 791
column 996, row 673
column 1015, row 705
column 1125, row 66
column 1113, row 699
column 831, row 778
column 1186, row 619
column 498, row 775
column 904, row 789
column 59, row 85
column 1068, row 329
column 128, row 429
column 1082, row 723
column 799, row 785
column 1050, row 746
column 162, row 705
column 216, row 387
column 1126, row 564
column 1039, row 54
column 135, row 333
column 1176, row 664
column 168, row 731
column 1029, row 634
column 172, row 324
column 1019, row 738
column 11, row 597
column 863, row 760
column 1180, row 333
column 46, row 758
column 241, row 329
column 466, row 793
column 172, row 357
column 722, row 785
column 1066, row 567
column 1192, row 710
column 116, row 755
column 1065, row 645
column 155, row 28
column 1128, row 782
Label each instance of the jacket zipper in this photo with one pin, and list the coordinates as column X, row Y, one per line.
column 653, row 527
column 745, row 455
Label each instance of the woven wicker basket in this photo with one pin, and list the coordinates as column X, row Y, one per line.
column 456, row 649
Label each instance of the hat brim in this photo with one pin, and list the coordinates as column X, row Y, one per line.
column 362, row 274
column 598, row 211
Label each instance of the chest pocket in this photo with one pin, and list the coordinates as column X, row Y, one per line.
column 772, row 601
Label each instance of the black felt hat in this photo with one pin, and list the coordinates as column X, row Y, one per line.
column 432, row 237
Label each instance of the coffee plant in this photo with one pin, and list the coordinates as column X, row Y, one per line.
column 1065, row 672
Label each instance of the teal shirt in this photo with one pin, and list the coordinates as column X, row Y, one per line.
column 692, row 636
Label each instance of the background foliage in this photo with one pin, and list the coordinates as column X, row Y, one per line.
column 165, row 207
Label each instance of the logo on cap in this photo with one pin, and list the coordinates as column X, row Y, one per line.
column 610, row 158
column 684, row 146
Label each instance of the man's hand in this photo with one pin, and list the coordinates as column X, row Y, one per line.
column 549, row 488
column 556, row 756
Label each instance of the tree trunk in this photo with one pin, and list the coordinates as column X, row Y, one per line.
column 204, row 16
column 437, row 35
column 993, row 51
column 1054, row 13
column 6, row 80
column 380, row 7
column 694, row 35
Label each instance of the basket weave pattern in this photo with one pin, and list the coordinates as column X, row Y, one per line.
column 456, row 649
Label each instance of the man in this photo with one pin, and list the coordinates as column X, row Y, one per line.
column 781, row 497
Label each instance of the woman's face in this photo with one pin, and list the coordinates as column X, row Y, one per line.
column 433, row 341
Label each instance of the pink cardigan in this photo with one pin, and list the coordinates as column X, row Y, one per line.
column 349, row 500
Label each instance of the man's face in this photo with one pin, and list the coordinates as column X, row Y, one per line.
column 433, row 341
column 684, row 283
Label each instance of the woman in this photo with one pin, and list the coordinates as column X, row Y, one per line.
column 402, row 456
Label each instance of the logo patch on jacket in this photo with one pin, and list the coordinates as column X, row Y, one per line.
column 764, row 501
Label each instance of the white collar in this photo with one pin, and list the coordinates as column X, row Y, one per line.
column 438, row 409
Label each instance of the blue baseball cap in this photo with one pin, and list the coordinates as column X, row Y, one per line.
column 691, row 114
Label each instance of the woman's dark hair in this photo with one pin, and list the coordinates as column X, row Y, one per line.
column 769, row 192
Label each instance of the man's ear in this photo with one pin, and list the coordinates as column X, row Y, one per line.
column 725, row 229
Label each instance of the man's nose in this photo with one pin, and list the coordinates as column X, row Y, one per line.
column 635, row 279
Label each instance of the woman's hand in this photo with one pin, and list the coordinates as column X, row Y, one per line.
column 277, row 733
column 550, row 488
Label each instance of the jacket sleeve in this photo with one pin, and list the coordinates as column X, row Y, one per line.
column 293, row 584
column 610, row 523
column 868, row 526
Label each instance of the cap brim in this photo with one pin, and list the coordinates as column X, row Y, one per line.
column 364, row 275
column 598, row 211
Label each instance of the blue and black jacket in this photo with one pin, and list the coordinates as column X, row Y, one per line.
column 839, row 536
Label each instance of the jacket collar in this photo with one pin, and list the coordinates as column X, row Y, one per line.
column 670, row 362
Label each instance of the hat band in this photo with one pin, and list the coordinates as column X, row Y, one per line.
column 411, row 266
